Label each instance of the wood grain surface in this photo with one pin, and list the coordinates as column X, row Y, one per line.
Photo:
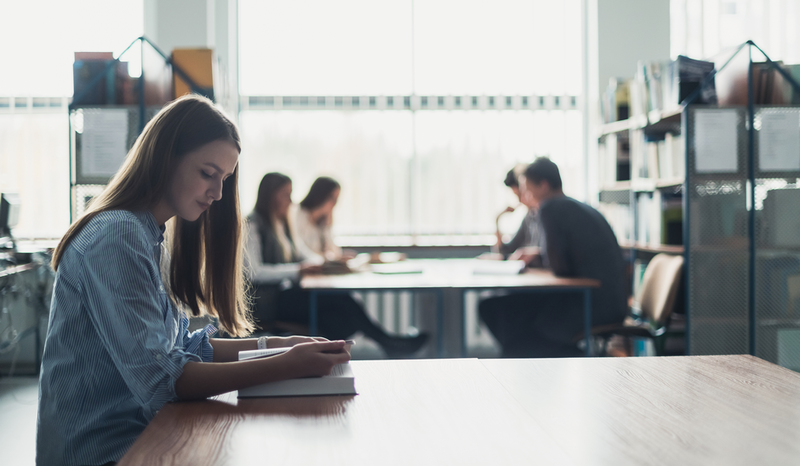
column 407, row 412
column 700, row 410
column 696, row 410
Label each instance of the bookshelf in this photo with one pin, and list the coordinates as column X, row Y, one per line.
column 108, row 112
column 634, row 195
column 740, row 234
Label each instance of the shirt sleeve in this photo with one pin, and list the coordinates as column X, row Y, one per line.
column 520, row 238
column 197, row 342
column 130, row 309
column 306, row 253
column 259, row 272
column 331, row 248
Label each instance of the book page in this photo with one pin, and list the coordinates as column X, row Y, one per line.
column 104, row 141
column 262, row 353
column 716, row 141
column 779, row 141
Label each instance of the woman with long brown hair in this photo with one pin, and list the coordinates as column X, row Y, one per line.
column 117, row 346
column 314, row 218
column 276, row 259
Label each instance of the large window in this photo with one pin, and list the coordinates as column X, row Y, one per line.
column 38, row 40
column 712, row 28
column 418, row 108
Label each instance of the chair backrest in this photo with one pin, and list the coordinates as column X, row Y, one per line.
column 660, row 284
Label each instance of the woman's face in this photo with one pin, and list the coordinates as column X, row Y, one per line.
column 282, row 200
column 326, row 209
column 197, row 181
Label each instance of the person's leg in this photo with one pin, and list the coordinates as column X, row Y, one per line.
column 339, row 317
column 532, row 325
column 511, row 320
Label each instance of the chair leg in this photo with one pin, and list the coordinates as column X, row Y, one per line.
column 659, row 343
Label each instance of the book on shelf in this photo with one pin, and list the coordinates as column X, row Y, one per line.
column 769, row 86
column 685, row 75
column 663, row 85
column 615, row 102
column 116, row 87
column 638, row 93
column 671, row 158
column 653, row 168
column 660, row 218
column 341, row 381
column 619, row 218
column 607, row 153
column 638, row 151
column 652, row 76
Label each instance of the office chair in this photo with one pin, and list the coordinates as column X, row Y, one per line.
column 652, row 310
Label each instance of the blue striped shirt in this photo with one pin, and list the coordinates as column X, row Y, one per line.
column 115, row 344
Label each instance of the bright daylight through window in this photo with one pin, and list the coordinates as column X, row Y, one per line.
column 417, row 108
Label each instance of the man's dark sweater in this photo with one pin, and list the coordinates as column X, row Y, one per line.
column 578, row 242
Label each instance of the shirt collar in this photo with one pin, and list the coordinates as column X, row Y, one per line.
column 155, row 230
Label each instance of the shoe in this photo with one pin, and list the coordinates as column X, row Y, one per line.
column 396, row 347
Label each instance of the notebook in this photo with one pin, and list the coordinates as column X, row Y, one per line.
column 341, row 381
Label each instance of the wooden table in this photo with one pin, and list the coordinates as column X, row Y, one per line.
column 692, row 410
column 440, row 274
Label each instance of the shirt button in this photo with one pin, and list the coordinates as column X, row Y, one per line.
column 158, row 357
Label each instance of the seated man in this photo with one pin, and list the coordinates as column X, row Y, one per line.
column 577, row 242
column 528, row 233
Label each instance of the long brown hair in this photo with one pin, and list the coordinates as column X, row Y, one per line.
column 320, row 192
column 206, row 271
column 265, row 200
column 270, row 184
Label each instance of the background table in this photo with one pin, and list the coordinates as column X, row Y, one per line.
column 690, row 410
column 440, row 275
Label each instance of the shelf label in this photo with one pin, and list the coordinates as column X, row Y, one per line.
column 779, row 141
column 716, row 141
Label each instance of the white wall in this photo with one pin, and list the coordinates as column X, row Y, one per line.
column 618, row 33
column 174, row 24
column 629, row 31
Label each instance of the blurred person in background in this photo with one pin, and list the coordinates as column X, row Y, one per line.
column 314, row 219
column 528, row 233
column 577, row 242
column 276, row 258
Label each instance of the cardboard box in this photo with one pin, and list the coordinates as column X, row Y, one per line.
column 198, row 64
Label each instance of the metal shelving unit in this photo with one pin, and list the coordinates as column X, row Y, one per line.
column 741, row 239
column 742, row 247
column 153, row 90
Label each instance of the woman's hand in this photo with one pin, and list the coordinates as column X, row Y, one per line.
column 508, row 210
column 316, row 359
column 283, row 342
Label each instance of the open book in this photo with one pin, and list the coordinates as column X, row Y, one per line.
column 340, row 382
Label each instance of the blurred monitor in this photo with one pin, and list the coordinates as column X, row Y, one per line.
column 9, row 212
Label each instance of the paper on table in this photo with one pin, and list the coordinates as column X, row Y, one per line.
column 779, row 141
column 498, row 267
column 104, row 141
column 716, row 141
